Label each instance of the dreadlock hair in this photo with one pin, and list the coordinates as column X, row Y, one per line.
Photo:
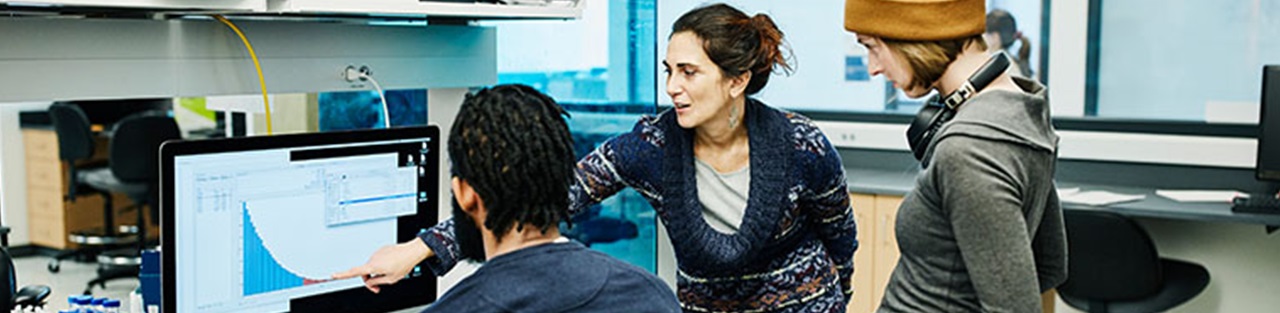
column 512, row 145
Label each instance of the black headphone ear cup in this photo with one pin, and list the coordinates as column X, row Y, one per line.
column 922, row 128
column 933, row 114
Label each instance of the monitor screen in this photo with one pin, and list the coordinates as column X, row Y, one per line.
column 259, row 224
column 1269, row 125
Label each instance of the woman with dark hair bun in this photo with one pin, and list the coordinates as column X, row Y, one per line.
column 753, row 197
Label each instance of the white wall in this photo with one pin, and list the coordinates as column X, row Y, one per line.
column 13, row 172
column 1070, row 37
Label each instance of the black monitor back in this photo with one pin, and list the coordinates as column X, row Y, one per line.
column 1268, row 165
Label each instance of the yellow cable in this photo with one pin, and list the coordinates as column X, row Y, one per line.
column 266, row 105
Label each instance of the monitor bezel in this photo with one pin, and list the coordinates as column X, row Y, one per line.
column 1270, row 75
column 176, row 148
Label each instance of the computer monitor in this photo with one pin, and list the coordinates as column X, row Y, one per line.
column 258, row 224
column 1268, row 168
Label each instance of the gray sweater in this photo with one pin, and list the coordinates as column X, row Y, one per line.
column 982, row 229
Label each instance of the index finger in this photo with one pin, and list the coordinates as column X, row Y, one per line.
column 358, row 271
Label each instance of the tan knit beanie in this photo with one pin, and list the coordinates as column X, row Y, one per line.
column 922, row 20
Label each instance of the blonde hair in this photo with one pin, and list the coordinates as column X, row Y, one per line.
column 929, row 59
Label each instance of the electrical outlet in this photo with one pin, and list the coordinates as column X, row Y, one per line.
column 365, row 72
column 350, row 74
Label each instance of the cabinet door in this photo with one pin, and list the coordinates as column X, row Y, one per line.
column 886, row 242
column 864, row 207
column 44, row 218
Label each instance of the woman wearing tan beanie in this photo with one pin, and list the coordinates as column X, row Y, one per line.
column 982, row 229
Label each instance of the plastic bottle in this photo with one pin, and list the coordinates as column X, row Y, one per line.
column 95, row 305
column 80, row 302
column 135, row 301
column 111, row 306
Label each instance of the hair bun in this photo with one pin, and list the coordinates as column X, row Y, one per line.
column 771, row 45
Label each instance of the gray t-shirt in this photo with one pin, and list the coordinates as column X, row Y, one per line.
column 723, row 196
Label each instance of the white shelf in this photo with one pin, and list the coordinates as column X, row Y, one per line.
column 557, row 10
column 185, row 5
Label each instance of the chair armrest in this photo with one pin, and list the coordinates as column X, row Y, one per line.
column 33, row 295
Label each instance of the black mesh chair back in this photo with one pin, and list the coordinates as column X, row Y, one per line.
column 75, row 139
column 135, row 153
column 1111, row 258
column 135, row 146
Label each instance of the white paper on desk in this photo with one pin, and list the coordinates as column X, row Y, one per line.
column 1199, row 195
column 1067, row 191
column 1099, row 197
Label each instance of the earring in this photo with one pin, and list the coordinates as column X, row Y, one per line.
column 733, row 117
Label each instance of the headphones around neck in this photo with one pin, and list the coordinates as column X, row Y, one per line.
column 933, row 114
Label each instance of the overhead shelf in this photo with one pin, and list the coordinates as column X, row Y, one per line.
column 141, row 5
column 556, row 9
column 412, row 9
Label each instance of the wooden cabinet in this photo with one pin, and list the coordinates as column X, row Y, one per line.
column 864, row 300
column 49, row 217
column 878, row 251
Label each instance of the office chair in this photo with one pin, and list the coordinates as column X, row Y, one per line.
column 76, row 144
column 134, row 171
column 1113, row 267
column 10, row 297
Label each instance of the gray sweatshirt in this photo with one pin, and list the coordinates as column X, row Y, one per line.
column 982, row 229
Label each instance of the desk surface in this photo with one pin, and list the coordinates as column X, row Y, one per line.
column 886, row 182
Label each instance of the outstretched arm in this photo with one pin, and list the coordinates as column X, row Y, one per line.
column 595, row 179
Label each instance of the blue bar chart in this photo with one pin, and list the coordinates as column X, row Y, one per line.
column 262, row 273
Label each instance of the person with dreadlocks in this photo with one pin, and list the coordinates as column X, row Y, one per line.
column 753, row 197
column 512, row 163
